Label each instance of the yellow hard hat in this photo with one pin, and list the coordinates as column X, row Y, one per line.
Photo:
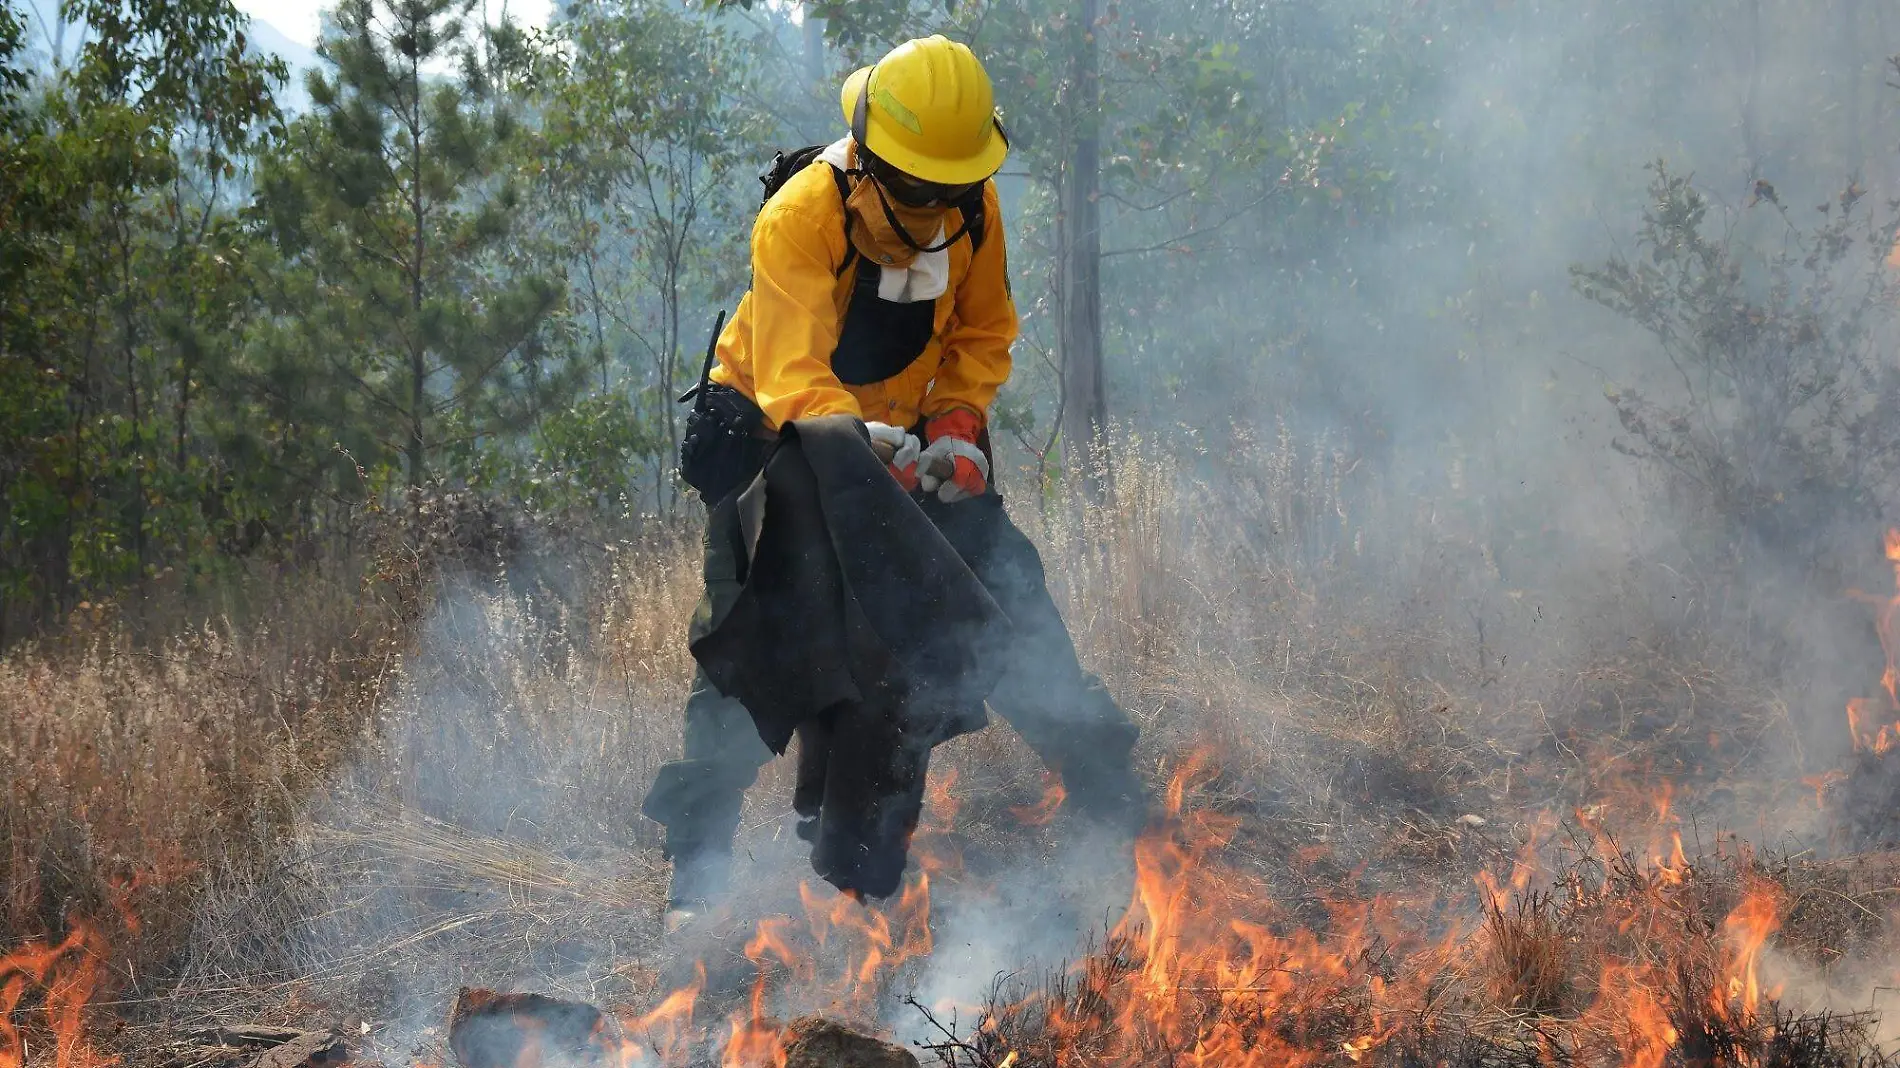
column 930, row 112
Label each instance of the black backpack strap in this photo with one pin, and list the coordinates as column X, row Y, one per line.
column 843, row 183
column 975, row 219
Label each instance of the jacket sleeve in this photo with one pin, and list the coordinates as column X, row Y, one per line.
column 795, row 320
column 983, row 326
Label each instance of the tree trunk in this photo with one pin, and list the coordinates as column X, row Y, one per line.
column 418, row 355
column 129, row 343
column 1085, row 407
column 669, row 371
column 814, row 29
column 592, row 248
column 1752, row 147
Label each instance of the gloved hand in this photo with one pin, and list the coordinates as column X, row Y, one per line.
column 953, row 437
column 905, row 451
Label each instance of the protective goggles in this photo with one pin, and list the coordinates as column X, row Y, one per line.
column 915, row 192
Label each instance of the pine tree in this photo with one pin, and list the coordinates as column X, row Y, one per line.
column 407, row 320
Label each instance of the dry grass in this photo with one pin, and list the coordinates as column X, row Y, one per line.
column 385, row 788
column 1528, row 965
column 149, row 766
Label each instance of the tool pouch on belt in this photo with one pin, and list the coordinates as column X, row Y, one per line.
column 723, row 447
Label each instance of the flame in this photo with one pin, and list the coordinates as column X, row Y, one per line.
column 69, row 976
column 1824, row 782
column 1524, row 866
column 1747, row 930
column 935, row 844
column 1648, row 1035
column 874, row 944
column 1872, row 728
column 24, row 967
column 667, row 1029
column 837, row 959
column 1204, row 955
column 754, row 1042
column 1043, row 812
column 941, row 803
column 1206, row 970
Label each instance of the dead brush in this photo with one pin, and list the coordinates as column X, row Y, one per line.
column 1527, row 955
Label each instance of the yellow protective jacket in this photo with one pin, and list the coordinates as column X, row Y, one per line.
column 777, row 348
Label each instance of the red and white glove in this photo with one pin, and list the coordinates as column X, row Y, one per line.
column 953, row 437
column 906, row 451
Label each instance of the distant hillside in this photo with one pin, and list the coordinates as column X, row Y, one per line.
column 266, row 38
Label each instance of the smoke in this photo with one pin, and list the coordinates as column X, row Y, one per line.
column 485, row 831
column 1043, row 914
column 1394, row 425
column 1440, row 347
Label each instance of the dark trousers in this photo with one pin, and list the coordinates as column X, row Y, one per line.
column 1063, row 712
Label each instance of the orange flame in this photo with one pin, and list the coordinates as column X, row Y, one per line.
column 1203, row 960
column 1871, row 728
column 1747, row 928
column 941, row 803
column 1205, row 954
column 1043, row 812
column 69, row 975
column 874, row 944
column 1648, row 1036
column 935, row 846
column 667, row 1031
column 1523, row 868
column 1824, row 782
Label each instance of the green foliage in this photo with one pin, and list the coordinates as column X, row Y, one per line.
column 117, row 278
column 859, row 24
column 647, row 158
column 402, row 305
column 1778, row 412
column 1212, row 158
column 583, row 460
column 486, row 255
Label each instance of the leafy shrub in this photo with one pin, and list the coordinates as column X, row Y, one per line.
column 1781, row 427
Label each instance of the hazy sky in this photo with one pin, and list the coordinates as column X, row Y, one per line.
column 297, row 19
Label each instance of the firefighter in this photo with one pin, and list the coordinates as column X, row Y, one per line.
column 880, row 291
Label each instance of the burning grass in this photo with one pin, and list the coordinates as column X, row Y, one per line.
column 425, row 783
column 1614, row 960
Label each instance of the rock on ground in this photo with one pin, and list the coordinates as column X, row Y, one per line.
column 815, row 1042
